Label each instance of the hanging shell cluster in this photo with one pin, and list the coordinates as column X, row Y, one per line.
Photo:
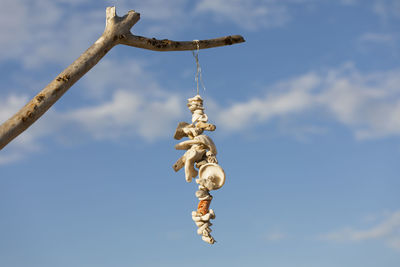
column 201, row 154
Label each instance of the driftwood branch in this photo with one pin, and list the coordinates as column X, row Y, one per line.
column 117, row 31
column 168, row 45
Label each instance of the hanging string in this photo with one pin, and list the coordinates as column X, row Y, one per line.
column 198, row 68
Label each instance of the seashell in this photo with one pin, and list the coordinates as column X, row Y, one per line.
column 208, row 216
column 213, row 174
column 208, row 197
column 196, row 219
column 199, row 115
column 201, row 193
column 195, row 99
column 198, row 140
column 212, row 213
column 179, row 132
column 208, row 239
column 202, row 228
column 200, row 223
column 207, row 231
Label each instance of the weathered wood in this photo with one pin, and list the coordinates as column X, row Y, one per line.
column 168, row 45
column 117, row 31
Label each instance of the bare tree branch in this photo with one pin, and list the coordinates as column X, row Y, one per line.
column 117, row 31
column 168, row 45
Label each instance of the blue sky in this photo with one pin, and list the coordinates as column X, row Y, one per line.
column 308, row 127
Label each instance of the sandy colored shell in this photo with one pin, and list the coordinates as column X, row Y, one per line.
column 213, row 176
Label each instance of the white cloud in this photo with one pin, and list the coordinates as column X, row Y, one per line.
column 23, row 146
column 249, row 14
column 10, row 105
column 288, row 97
column 125, row 115
column 40, row 32
column 387, row 230
column 26, row 143
column 120, row 73
column 379, row 41
column 382, row 38
column 162, row 19
column 369, row 104
column 36, row 33
column 129, row 113
column 127, row 102
column 45, row 31
column 387, row 9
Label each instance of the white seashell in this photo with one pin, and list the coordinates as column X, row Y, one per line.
column 200, row 223
column 202, row 228
column 212, row 214
column 207, row 231
column 206, row 217
column 208, row 142
column 196, row 219
column 201, row 193
column 209, row 197
column 213, row 175
column 208, row 239
column 198, row 115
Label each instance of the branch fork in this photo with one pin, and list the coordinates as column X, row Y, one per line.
column 117, row 31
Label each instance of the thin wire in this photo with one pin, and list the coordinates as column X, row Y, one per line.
column 198, row 68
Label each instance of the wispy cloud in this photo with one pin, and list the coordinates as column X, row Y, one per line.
column 367, row 103
column 386, row 42
column 387, row 9
column 35, row 39
column 249, row 14
column 36, row 33
column 26, row 143
column 127, row 114
column 387, row 230
column 128, row 103
column 11, row 104
column 382, row 38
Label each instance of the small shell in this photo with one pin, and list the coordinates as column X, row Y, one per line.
column 200, row 223
column 201, row 193
column 207, row 217
column 208, row 239
column 209, row 197
column 202, row 228
column 196, row 219
column 213, row 174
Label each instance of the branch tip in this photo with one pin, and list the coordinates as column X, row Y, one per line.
column 110, row 12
